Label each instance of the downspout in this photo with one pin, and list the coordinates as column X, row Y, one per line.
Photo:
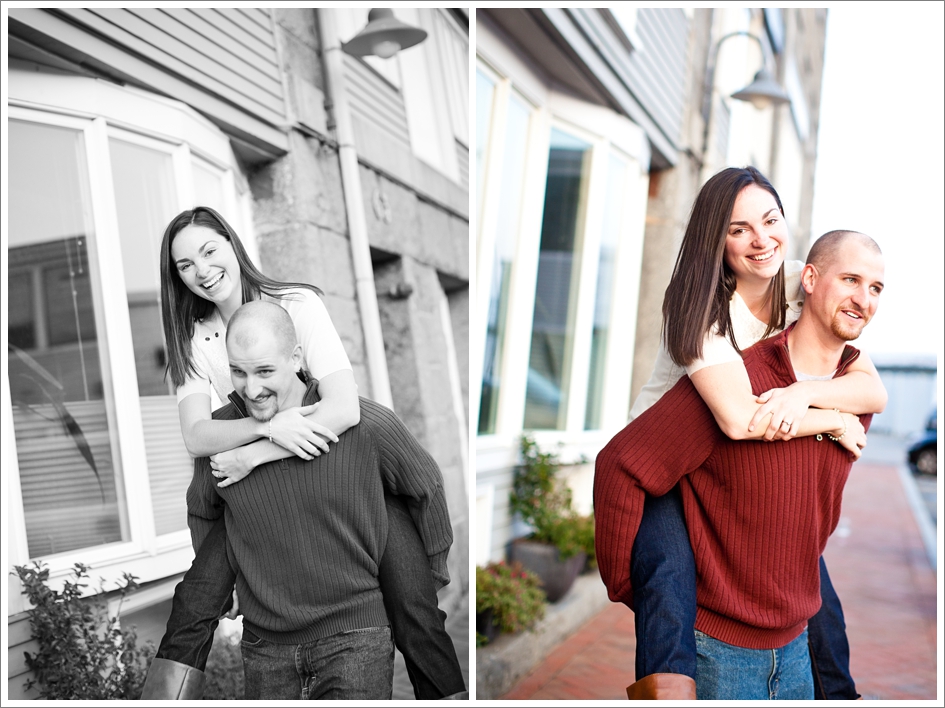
column 337, row 104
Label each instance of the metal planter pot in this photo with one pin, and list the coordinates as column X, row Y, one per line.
column 557, row 576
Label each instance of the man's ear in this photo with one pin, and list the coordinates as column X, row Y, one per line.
column 808, row 276
column 297, row 357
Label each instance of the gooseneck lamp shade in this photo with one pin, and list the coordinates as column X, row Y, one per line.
column 764, row 91
column 383, row 36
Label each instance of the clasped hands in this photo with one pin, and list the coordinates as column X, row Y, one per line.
column 291, row 429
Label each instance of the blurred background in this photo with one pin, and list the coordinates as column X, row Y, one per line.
column 595, row 129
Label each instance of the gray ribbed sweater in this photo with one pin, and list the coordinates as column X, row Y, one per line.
column 306, row 537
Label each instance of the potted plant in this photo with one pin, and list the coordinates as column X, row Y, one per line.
column 508, row 599
column 559, row 545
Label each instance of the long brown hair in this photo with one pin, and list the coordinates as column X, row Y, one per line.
column 180, row 307
column 702, row 284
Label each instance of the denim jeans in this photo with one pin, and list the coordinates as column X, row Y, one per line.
column 417, row 623
column 355, row 665
column 729, row 673
column 203, row 596
column 829, row 650
column 663, row 573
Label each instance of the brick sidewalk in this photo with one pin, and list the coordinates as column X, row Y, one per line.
column 878, row 565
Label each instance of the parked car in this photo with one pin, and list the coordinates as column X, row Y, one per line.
column 922, row 452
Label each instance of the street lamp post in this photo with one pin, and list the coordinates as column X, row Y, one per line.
column 762, row 92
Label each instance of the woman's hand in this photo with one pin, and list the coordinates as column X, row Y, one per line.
column 787, row 407
column 854, row 439
column 300, row 435
column 231, row 466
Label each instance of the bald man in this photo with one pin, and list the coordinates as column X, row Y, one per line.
column 758, row 514
column 306, row 536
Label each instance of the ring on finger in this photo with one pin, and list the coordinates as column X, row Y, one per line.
column 787, row 423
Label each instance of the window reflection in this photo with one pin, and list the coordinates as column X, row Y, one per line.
column 67, row 449
column 556, row 288
column 603, row 303
column 506, row 242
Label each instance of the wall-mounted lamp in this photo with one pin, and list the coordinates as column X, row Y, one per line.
column 383, row 36
column 764, row 91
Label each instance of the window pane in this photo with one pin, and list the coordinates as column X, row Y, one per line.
column 208, row 189
column 555, row 291
column 63, row 416
column 505, row 244
column 145, row 200
column 603, row 304
column 485, row 90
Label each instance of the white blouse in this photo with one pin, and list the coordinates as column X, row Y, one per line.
column 321, row 346
column 717, row 349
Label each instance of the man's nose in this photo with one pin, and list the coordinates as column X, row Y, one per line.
column 861, row 295
column 253, row 387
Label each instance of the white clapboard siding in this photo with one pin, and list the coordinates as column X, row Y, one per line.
column 373, row 99
column 228, row 52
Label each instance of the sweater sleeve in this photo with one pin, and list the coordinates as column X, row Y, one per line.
column 669, row 440
column 410, row 472
column 204, row 504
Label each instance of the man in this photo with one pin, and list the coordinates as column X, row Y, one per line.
column 306, row 537
column 759, row 514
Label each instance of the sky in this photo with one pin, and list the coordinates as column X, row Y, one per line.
column 881, row 159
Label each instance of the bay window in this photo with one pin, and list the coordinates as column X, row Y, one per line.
column 101, row 469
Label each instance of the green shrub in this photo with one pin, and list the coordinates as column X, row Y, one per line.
column 83, row 653
column 544, row 503
column 512, row 593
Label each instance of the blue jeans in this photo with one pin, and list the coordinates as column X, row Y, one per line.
column 729, row 673
column 417, row 623
column 663, row 573
column 355, row 665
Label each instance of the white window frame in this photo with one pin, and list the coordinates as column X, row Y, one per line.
column 611, row 133
column 100, row 110
column 498, row 453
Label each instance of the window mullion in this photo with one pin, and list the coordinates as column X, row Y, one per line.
column 118, row 349
column 183, row 177
column 17, row 546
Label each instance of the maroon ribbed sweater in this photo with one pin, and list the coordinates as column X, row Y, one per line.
column 759, row 514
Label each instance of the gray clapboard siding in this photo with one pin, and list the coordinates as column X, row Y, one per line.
column 373, row 99
column 657, row 74
column 462, row 159
column 227, row 52
column 19, row 641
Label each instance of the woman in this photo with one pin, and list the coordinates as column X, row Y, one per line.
column 730, row 288
column 206, row 276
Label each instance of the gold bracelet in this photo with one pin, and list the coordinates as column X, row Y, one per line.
column 842, row 420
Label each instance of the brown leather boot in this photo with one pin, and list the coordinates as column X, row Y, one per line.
column 172, row 681
column 663, row 687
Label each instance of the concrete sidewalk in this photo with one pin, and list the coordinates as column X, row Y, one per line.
column 881, row 571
